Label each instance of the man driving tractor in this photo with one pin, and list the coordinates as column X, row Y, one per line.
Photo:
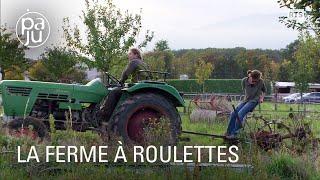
column 132, row 71
column 254, row 89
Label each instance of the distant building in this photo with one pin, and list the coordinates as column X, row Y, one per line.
column 26, row 76
column 92, row 74
column 184, row 77
column 289, row 87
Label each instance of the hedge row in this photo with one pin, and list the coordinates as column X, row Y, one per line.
column 211, row 86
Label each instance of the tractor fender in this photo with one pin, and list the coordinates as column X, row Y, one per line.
column 163, row 89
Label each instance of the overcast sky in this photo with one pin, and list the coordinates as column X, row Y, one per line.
column 184, row 23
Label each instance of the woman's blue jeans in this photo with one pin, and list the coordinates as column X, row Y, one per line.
column 243, row 109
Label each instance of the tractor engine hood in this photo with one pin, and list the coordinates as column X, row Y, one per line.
column 18, row 96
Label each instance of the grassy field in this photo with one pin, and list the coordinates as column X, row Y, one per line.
column 282, row 163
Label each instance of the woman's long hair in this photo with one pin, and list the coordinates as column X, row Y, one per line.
column 137, row 52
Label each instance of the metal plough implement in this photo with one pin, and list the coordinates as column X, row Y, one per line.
column 272, row 134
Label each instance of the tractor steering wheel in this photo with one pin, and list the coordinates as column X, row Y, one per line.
column 112, row 81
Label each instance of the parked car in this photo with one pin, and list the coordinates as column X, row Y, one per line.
column 313, row 97
column 291, row 98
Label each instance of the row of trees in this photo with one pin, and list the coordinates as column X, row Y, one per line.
column 276, row 65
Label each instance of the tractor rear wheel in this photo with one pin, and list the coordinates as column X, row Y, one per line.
column 28, row 127
column 136, row 113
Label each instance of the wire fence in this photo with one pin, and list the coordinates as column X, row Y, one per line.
column 271, row 103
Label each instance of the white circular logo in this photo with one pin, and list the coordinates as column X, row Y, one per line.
column 33, row 29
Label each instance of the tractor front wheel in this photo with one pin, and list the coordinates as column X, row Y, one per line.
column 141, row 111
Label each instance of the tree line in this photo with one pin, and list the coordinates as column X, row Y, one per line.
column 233, row 63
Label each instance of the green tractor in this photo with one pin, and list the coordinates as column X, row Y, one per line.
column 30, row 103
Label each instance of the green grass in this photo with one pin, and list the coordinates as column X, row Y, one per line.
column 210, row 128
